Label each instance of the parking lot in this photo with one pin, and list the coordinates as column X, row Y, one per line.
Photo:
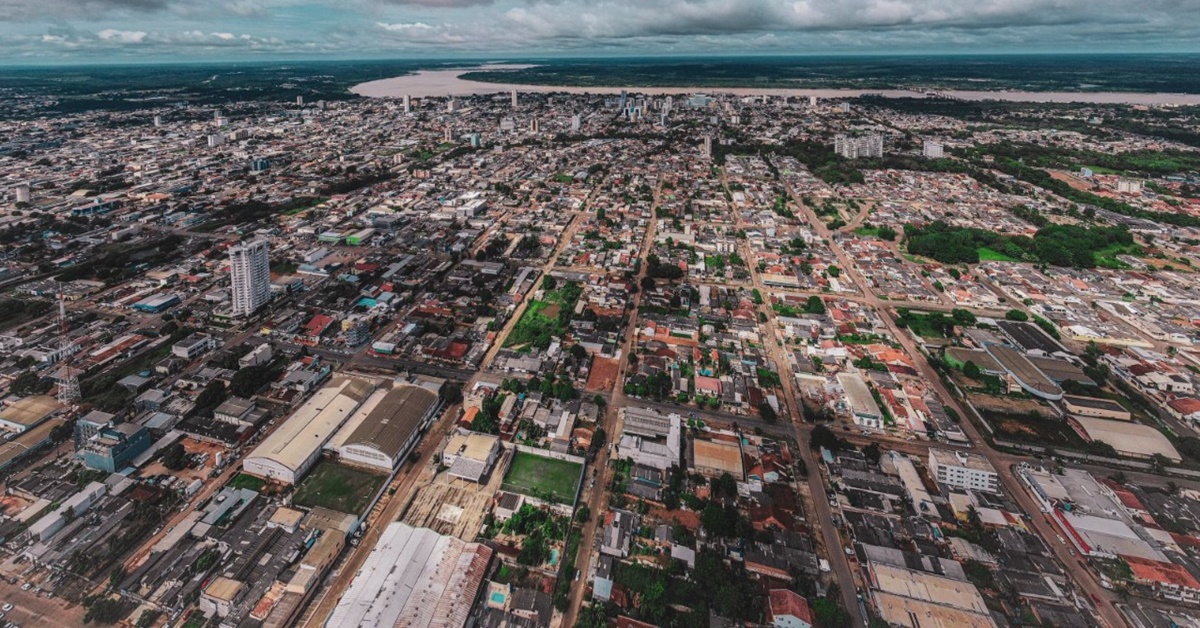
column 34, row 609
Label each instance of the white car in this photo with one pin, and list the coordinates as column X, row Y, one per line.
column 7, row 607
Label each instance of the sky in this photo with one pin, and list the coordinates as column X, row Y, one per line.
column 104, row 31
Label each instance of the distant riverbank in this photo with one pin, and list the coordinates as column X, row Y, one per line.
column 441, row 83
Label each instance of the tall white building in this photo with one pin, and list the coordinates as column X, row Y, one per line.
column 250, row 272
column 855, row 147
column 933, row 150
column 407, row 103
column 962, row 470
column 1129, row 186
column 708, row 147
column 576, row 123
column 22, row 193
column 514, row 98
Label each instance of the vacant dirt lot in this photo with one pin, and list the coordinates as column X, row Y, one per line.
column 1008, row 405
column 603, row 375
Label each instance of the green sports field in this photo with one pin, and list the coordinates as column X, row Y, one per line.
column 544, row 478
column 337, row 487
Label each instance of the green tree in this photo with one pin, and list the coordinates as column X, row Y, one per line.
column 963, row 317
column 822, row 436
column 1016, row 315
column 450, row 392
column 971, row 369
column 174, row 456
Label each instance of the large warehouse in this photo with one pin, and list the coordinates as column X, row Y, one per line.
column 414, row 577
column 28, row 413
column 292, row 449
column 385, row 428
column 1127, row 438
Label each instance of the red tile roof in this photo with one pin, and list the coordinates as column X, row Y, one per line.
column 785, row 602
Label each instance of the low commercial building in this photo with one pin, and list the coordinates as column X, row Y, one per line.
column 157, row 303
column 1096, row 407
column 194, row 346
column 1103, row 536
column 238, row 411
column 962, row 470
column 651, row 438
column 257, row 356
column 716, row 458
column 316, row 562
column 1171, row 581
column 75, row 505
column 471, row 455
column 860, row 401
column 949, row 602
column 220, row 596
column 414, row 577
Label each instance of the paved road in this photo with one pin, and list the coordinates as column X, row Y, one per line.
column 830, row 536
column 597, row 500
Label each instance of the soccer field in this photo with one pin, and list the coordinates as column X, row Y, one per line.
column 544, row 478
column 339, row 488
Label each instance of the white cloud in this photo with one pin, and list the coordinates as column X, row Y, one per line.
column 122, row 37
column 581, row 27
column 402, row 27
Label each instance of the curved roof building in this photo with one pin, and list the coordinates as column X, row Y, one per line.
column 387, row 426
column 1027, row 376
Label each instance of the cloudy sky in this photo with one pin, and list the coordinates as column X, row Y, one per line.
column 47, row 31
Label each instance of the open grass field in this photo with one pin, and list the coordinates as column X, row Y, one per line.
column 243, row 480
column 339, row 488
column 992, row 255
column 1107, row 256
column 544, row 478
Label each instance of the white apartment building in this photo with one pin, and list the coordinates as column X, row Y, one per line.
column 856, row 147
column 933, row 150
column 962, row 470
column 250, row 272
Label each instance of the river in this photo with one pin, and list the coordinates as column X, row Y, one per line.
column 441, row 83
